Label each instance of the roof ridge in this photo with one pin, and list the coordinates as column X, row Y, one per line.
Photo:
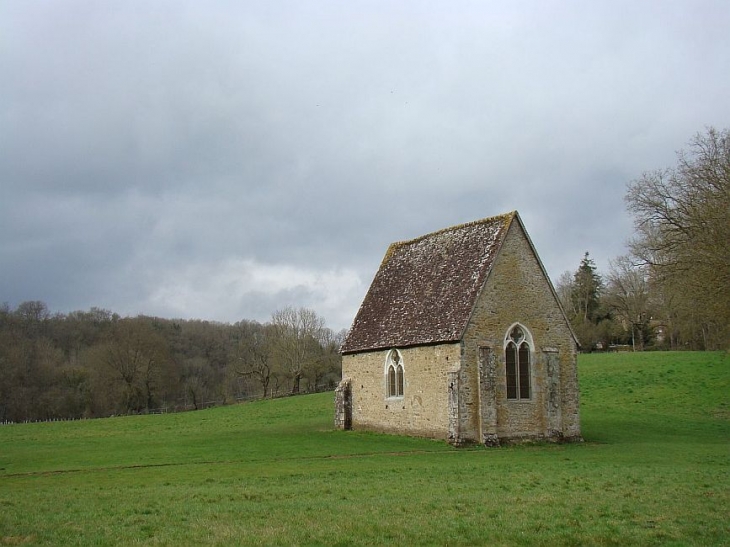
column 505, row 217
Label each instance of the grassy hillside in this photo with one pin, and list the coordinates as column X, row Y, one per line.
column 655, row 469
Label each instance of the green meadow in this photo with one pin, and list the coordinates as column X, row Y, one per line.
column 654, row 470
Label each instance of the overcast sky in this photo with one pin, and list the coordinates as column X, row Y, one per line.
column 222, row 160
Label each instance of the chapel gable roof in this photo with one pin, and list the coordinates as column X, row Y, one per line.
column 426, row 288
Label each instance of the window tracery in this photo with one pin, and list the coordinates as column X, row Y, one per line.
column 394, row 374
column 517, row 362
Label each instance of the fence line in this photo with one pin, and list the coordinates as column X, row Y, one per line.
column 184, row 407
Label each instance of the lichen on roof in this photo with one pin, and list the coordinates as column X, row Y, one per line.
column 426, row 287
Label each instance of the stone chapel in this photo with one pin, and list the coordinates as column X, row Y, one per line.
column 461, row 337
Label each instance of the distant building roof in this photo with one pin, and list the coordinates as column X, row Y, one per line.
column 425, row 289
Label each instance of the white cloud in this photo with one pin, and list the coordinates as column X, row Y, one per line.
column 236, row 289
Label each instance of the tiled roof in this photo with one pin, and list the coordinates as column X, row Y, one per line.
column 426, row 288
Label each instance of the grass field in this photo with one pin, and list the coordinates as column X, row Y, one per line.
column 654, row 470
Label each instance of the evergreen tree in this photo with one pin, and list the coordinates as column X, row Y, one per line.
column 586, row 290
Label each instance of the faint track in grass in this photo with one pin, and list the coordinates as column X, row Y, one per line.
column 229, row 462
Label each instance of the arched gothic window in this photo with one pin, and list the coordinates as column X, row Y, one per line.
column 517, row 361
column 394, row 380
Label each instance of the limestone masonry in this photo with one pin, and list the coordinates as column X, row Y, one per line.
column 461, row 337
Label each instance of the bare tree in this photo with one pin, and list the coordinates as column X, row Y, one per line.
column 137, row 356
column 682, row 219
column 564, row 289
column 254, row 353
column 326, row 370
column 298, row 333
column 627, row 295
column 197, row 380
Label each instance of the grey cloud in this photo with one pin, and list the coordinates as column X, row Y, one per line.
column 145, row 140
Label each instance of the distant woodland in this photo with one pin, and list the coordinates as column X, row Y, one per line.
column 89, row 364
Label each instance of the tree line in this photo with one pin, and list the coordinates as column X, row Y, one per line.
column 672, row 289
column 89, row 364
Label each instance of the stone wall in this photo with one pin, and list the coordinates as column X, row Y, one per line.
column 424, row 408
column 517, row 292
column 343, row 404
column 457, row 391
